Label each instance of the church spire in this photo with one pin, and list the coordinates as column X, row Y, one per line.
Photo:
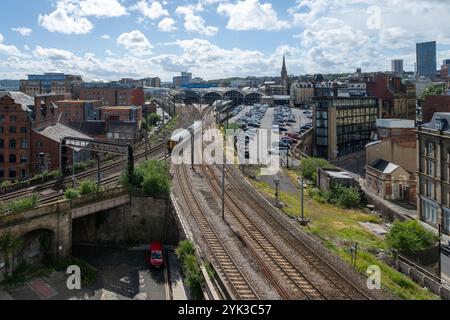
column 285, row 77
column 284, row 69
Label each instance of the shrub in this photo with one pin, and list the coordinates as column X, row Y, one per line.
column 309, row 167
column 71, row 194
column 409, row 237
column 152, row 176
column 191, row 269
column 23, row 204
column 346, row 197
column 88, row 187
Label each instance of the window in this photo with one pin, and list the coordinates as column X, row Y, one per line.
column 2, row 174
column 2, row 143
column 23, row 130
column 2, row 158
column 2, row 118
column 430, row 149
column 2, row 129
column 12, row 118
column 446, row 219
column 39, row 144
column 429, row 189
column 429, row 211
column 24, row 144
column 12, row 158
column 12, row 144
column 430, row 168
column 23, row 159
column 12, row 129
column 12, row 173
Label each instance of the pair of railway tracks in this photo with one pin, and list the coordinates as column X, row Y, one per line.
column 228, row 267
column 342, row 287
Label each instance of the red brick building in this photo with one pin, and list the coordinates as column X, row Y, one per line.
column 398, row 98
column 434, row 104
column 21, row 142
column 79, row 110
column 114, row 96
column 45, row 110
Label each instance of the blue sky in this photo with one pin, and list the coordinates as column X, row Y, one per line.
column 109, row 39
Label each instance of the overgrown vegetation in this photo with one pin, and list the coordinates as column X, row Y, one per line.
column 339, row 195
column 20, row 205
column 152, row 176
column 433, row 90
column 82, row 166
column 338, row 229
column 310, row 166
column 85, row 188
column 409, row 237
column 9, row 246
column 191, row 269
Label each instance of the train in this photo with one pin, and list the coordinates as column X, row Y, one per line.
column 184, row 135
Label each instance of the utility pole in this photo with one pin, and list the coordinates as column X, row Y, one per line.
column 223, row 180
column 99, row 179
column 440, row 256
column 303, row 198
column 277, row 193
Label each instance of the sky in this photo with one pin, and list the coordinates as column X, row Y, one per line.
column 111, row 39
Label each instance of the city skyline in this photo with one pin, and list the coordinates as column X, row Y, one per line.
column 110, row 39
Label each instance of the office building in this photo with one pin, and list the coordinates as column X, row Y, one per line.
column 433, row 144
column 397, row 66
column 113, row 94
column 426, row 59
column 343, row 126
column 58, row 83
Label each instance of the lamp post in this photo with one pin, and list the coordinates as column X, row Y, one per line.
column 277, row 194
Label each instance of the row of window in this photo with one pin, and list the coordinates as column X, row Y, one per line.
column 12, row 173
column 12, row 118
column 14, row 130
column 13, row 144
column 12, row 158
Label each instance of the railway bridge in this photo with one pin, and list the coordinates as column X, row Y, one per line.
column 55, row 220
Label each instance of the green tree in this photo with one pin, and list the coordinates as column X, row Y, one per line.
column 345, row 197
column 9, row 246
column 309, row 167
column 409, row 237
column 152, row 176
column 153, row 119
column 433, row 90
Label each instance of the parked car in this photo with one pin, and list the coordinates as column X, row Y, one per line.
column 155, row 255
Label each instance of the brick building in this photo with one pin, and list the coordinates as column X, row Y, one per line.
column 57, row 83
column 23, row 136
column 398, row 98
column 45, row 110
column 433, row 154
column 79, row 110
column 114, row 96
column 434, row 104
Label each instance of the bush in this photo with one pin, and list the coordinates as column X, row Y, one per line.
column 309, row 167
column 88, row 187
column 71, row 194
column 23, row 204
column 191, row 269
column 152, row 176
column 410, row 237
column 345, row 197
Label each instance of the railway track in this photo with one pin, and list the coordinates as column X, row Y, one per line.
column 228, row 267
column 341, row 285
column 281, row 267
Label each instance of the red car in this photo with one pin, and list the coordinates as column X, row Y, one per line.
column 155, row 256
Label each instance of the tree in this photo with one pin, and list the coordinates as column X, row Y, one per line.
column 310, row 166
column 153, row 119
column 152, row 176
column 9, row 246
column 409, row 237
column 433, row 90
column 346, row 197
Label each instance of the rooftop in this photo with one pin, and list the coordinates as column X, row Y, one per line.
column 21, row 98
column 384, row 166
column 440, row 122
column 58, row 131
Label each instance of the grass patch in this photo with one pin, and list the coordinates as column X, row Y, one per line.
column 20, row 205
column 339, row 228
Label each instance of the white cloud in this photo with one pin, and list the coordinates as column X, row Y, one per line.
column 8, row 50
column 194, row 22
column 105, row 37
column 52, row 53
column 23, row 31
column 97, row 8
column 60, row 21
column 151, row 11
column 70, row 15
column 167, row 25
column 135, row 42
column 251, row 15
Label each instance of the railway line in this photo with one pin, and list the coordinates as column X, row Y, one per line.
column 282, row 269
column 228, row 268
column 342, row 288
